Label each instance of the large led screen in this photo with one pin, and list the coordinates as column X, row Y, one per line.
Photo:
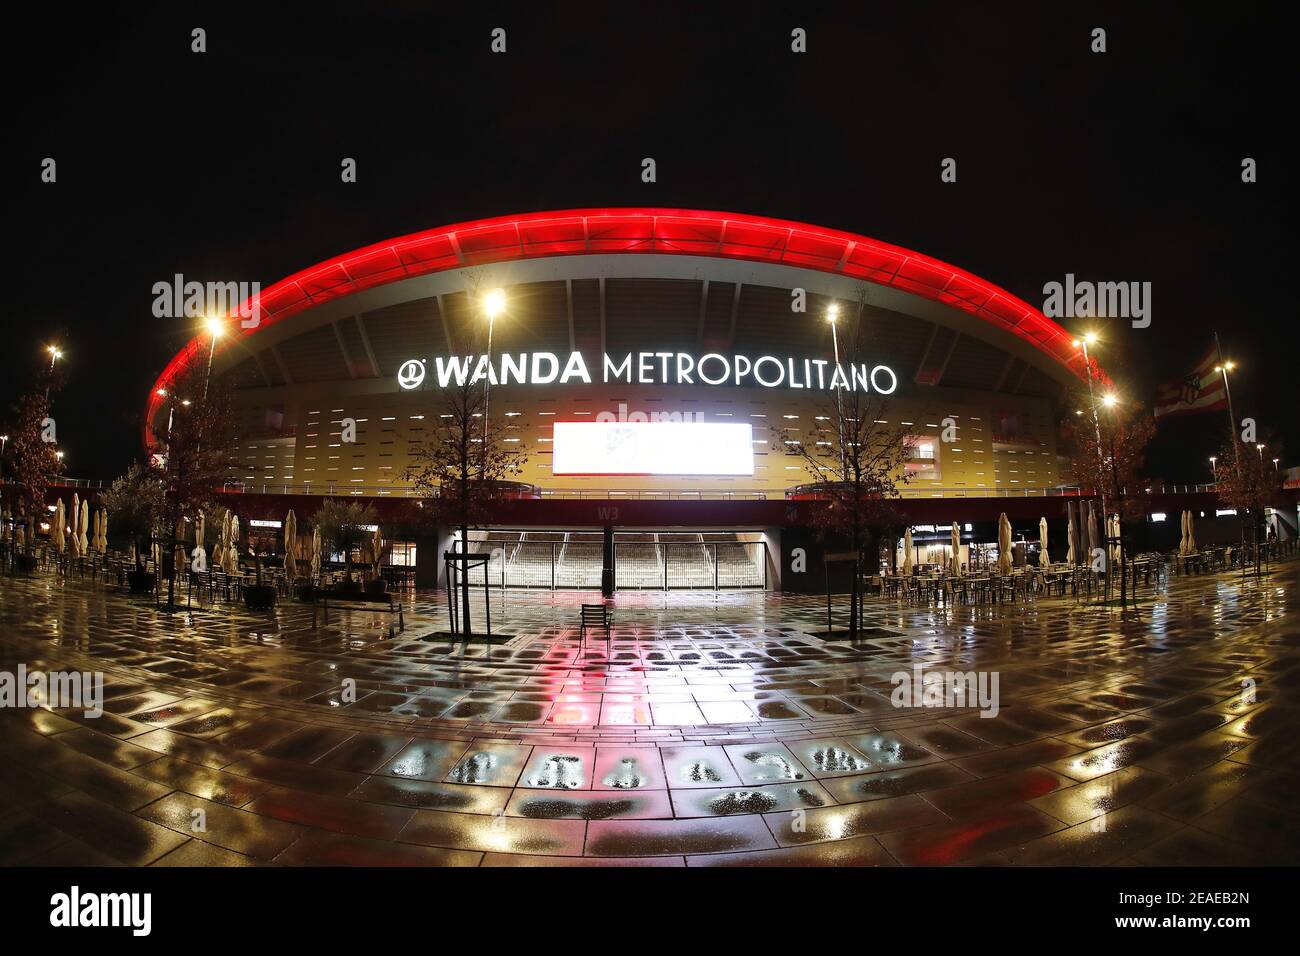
column 652, row 448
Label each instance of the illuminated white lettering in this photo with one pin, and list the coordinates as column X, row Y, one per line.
column 758, row 371
column 545, row 379
column 623, row 370
column 575, row 368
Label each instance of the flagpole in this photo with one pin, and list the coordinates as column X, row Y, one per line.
column 1227, row 390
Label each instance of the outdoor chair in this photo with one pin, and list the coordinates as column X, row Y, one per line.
column 594, row 616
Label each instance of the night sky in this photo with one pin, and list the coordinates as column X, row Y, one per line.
column 1123, row 166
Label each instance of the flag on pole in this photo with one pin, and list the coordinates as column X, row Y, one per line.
column 1201, row 390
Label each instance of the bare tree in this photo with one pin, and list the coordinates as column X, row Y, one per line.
column 197, row 440
column 1246, row 481
column 466, row 455
column 1107, row 443
column 855, row 454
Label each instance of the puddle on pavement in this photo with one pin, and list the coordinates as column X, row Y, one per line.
column 743, row 801
column 781, row 769
column 626, row 776
column 832, row 759
column 585, row 809
column 561, row 771
column 700, row 771
column 476, row 768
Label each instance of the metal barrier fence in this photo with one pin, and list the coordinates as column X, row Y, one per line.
column 576, row 563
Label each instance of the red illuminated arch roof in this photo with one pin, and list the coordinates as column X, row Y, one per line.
column 691, row 232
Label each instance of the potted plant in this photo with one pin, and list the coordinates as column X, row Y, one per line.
column 344, row 526
column 374, row 553
column 259, row 596
column 135, row 505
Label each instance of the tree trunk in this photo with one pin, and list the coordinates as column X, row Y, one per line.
column 464, row 581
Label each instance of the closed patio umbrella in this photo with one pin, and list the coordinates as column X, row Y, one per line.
column 232, row 547
column 1043, row 560
column 1094, row 533
column 60, row 523
column 219, row 549
column 315, row 553
column 290, row 545
column 956, row 549
column 83, row 543
column 1069, row 533
column 1182, row 540
column 1004, row 544
column 74, row 525
column 1192, row 546
column 907, row 551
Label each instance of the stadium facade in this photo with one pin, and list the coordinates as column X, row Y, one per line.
column 712, row 325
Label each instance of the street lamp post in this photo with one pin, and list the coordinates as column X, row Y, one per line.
column 55, row 354
column 214, row 327
column 1214, row 470
column 493, row 304
column 833, row 314
column 1082, row 342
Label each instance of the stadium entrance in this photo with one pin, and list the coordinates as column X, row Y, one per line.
column 642, row 560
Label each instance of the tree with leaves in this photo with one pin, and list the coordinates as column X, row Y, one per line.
column 1107, row 441
column 136, row 503
column 31, row 453
column 856, row 456
column 197, row 440
column 344, row 527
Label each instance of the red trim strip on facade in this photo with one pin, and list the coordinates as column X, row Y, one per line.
column 691, row 232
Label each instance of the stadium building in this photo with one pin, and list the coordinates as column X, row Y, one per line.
column 707, row 330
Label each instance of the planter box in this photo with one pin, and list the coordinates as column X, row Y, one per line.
column 259, row 597
column 141, row 582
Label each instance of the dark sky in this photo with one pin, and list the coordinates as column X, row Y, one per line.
column 1123, row 166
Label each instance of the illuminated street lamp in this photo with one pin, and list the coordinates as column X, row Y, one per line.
column 1275, row 461
column 55, row 354
column 1260, row 449
column 214, row 329
column 1213, row 467
column 494, row 303
column 832, row 314
column 1082, row 342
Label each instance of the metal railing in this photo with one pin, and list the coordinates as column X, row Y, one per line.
column 662, row 494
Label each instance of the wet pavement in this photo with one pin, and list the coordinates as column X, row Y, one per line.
column 711, row 730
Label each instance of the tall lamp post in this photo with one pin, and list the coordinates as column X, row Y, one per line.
column 1223, row 368
column 494, row 304
column 1082, row 342
column 55, row 354
column 832, row 315
column 215, row 330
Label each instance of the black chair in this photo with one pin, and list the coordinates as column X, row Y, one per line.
column 595, row 616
